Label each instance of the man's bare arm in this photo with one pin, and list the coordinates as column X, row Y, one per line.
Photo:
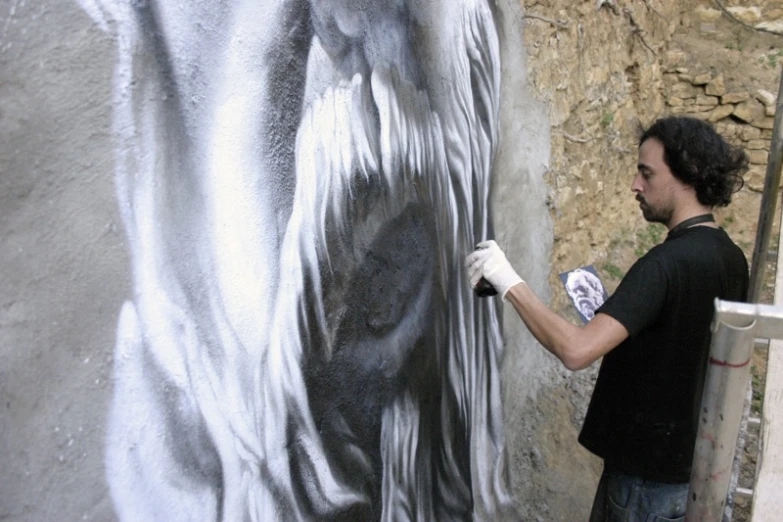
column 577, row 347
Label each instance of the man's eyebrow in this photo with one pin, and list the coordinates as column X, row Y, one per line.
column 641, row 166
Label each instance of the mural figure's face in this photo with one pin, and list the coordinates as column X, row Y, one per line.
column 656, row 188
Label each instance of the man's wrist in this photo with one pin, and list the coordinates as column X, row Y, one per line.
column 508, row 290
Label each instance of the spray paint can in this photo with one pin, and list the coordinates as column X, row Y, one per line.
column 484, row 289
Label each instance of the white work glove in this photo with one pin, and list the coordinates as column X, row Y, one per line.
column 489, row 262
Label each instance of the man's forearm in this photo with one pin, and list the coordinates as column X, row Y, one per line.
column 551, row 330
column 576, row 347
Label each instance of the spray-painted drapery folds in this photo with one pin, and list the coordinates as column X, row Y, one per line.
column 299, row 183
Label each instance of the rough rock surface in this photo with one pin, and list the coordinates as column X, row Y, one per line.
column 603, row 72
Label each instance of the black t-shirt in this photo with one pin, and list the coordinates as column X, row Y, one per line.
column 643, row 415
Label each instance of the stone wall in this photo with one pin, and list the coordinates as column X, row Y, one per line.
column 600, row 74
column 599, row 71
column 762, row 14
column 741, row 116
column 604, row 69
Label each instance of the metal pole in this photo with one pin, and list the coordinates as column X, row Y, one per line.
column 768, row 202
column 739, row 452
column 721, row 413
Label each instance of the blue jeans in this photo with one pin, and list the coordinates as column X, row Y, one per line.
column 628, row 498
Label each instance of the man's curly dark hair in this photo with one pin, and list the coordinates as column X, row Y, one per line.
column 698, row 156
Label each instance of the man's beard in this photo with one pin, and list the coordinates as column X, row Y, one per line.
column 653, row 214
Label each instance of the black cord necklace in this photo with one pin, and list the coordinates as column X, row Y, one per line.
column 704, row 218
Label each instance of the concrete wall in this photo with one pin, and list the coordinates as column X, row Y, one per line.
column 63, row 262
column 184, row 361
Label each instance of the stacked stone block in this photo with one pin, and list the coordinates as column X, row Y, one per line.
column 761, row 14
column 745, row 117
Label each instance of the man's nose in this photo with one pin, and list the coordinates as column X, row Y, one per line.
column 636, row 184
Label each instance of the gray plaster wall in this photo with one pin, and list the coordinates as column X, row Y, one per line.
column 64, row 267
column 522, row 218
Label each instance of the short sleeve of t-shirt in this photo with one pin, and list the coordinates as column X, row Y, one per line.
column 640, row 297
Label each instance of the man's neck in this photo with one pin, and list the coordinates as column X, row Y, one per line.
column 688, row 213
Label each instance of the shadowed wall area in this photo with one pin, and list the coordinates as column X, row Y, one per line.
column 292, row 336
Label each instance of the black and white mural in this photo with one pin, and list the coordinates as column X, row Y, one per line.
column 299, row 182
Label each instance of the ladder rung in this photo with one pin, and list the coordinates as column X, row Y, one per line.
column 744, row 492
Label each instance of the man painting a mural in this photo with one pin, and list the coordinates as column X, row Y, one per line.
column 299, row 182
column 654, row 331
